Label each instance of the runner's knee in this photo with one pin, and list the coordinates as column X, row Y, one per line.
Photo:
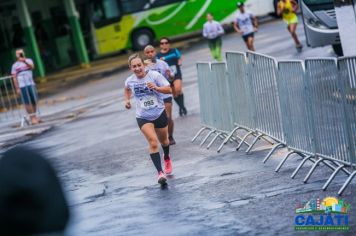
column 165, row 142
column 169, row 118
column 153, row 143
column 178, row 91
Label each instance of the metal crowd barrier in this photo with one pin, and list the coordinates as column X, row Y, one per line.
column 347, row 68
column 240, row 98
column 263, row 88
column 326, row 100
column 296, row 124
column 213, row 86
column 203, row 73
column 9, row 101
column 323, row 134
column 307, row 106
column 12, row 104
column 222, row 117
column 296, row 96
column 327, row 116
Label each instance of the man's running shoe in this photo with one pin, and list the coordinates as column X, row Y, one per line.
column 162, row 178
column 168, row 166
column 171, row 140
column 299, row 47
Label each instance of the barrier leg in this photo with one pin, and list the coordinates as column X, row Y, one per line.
column 207, row 136
column 312, row 170
column 213, row 140
column 253, row 143
column 272, row 151
column 284, row 160
column 243, row 140
column 238, row 139
column 300, row 166
column 24, row 121
column 346, row 171
column 347, row 182
column 233, row 139
column 332, row 177
column 267, row 140
column 227, row 138
column 333, row 168
column 198, row 133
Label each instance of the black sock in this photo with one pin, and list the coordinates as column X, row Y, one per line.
column 177, row 99
column 156, row 159
column 182, row 100
column 166, row 152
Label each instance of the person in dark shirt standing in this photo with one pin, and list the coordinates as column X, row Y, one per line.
column 173, row 58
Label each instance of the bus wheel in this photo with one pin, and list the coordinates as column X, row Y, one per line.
column 338, row 50
column 141, row 38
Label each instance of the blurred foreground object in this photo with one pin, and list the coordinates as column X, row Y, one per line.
column 31, row 196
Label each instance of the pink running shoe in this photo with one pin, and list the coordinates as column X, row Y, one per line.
column 162, row 178
column 168, row 166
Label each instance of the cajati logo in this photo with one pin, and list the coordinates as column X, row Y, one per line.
column 329, row 214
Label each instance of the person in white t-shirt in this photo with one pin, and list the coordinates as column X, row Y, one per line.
column 21, row 72
column 246, row 24
column 148, row 88
column 155, row 64
column 212, row 30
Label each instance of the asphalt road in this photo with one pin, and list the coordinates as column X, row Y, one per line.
column 110, row 182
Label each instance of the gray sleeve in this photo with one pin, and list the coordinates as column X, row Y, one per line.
column 220, row 29
column 205, row 31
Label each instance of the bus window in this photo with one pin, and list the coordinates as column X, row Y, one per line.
column 159, row 3
column 105, row 12
column 111, row 9
column 131, row 6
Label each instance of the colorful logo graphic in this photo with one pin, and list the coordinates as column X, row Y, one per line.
column 328, row 214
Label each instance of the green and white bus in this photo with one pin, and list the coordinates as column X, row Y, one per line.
column 121, row 24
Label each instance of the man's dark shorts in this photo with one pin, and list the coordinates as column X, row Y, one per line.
column 245, row 37
column 160, row 122
column 29, row 95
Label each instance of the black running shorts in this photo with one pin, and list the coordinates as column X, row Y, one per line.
column 160, row 122
column 245, row 37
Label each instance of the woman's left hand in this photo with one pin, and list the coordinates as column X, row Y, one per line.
column 151, row 85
